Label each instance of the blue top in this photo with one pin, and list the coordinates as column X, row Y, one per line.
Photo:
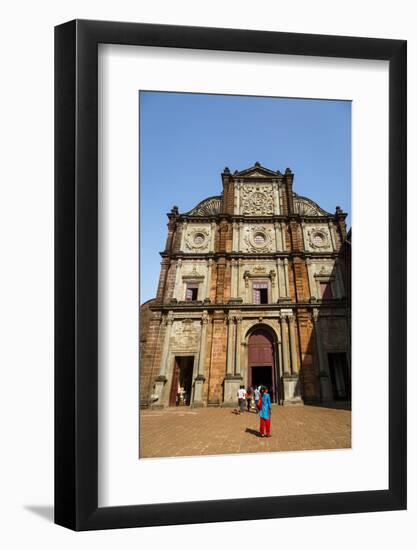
column 265, row 411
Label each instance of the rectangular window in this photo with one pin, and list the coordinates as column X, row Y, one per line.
column 260, row 293
column 191, row 292
column 326, row 291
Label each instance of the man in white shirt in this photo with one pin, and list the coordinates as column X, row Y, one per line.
column 241, row 397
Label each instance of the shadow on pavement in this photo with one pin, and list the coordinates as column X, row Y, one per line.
column 253, row 432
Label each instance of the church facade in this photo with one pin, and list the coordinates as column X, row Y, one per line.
column 254, row 289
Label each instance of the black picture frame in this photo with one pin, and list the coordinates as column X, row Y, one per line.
column 76, row 272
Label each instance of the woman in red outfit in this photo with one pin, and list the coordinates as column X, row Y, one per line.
column 265, row 414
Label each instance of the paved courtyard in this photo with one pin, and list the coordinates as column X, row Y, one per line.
column 183, row 431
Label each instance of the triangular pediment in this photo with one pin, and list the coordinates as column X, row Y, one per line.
column 256, row 171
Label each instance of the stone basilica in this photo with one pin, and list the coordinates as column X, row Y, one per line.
column 254, row 289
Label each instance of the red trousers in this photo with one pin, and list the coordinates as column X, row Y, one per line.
column 265, row 425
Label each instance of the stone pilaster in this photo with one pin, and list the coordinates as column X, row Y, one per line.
column 276, row 198
column 240, row 236
column 286, row 279
column 274, row 288
column 285, row 352
column 208, row 279
column 293, row 346
column 238, row 345
column 278, row 236
column 283, row 240
column 290, row 378
column 212, row 236
column 231, row 380
column 199, row 379
column 324, row 372
column 161, row 380
column 233, row 276
column 230, row 339
column 235, row 237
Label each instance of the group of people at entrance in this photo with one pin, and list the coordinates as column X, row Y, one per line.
column 258, row 399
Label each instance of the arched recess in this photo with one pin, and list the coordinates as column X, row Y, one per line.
column 263, row 359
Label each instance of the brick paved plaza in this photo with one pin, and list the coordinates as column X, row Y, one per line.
column 184, row 431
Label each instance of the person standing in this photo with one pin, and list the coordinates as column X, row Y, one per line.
column 241, row 396
column 257, row 395
column 265, row 414
column 249, row 393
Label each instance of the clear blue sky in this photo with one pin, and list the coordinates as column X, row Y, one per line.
column 186, row 140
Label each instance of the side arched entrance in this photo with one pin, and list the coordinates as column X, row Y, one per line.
column 263, row 362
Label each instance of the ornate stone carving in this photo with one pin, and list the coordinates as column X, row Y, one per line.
column 318, row 238
column 307, row 207
column 192, row 275
column 207, row 207
column 186, row 334
column 257, row 200
column 258, row 238
column 197, row 238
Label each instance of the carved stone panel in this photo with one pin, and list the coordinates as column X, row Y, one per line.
column 317, row 238
column 259, row 238
column 257, row 200
column 185, row 335
column 197, row 238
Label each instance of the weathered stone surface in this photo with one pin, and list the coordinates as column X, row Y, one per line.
column 257, row 242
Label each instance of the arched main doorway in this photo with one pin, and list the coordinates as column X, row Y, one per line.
column 262, row 361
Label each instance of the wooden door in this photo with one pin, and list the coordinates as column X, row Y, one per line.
column 174, row 385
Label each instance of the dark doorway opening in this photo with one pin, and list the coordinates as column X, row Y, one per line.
column 261, row 361
column 340, row 376
column 182, row 381
column 262, row 376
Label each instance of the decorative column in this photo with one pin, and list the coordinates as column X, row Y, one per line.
column 233, row 273
column 183, row 233
column 293, row 346
column 276, row 198
column 235, row 237
column 285, row 353
column 274, row 293
column 212, row 236
column 324, row 372
column 231, row 380
column 286, row 279
column 239, row 278
column 240, row 236
column 229, row 359
column 238, row 345
column 291, row 380
column 283, row 236
column 278, row 236
column 199, row 379
column 161, row 380
column 237, row 211
column 177, row 280
column 280, row 291
column 208, row 279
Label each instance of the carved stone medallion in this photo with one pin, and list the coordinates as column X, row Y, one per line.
column 257, row 200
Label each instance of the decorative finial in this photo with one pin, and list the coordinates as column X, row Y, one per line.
column 226, row 170
column 288, row 171
column 257, row 163
column 174, row 210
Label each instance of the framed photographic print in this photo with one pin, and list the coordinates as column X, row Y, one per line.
column 225, row 348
